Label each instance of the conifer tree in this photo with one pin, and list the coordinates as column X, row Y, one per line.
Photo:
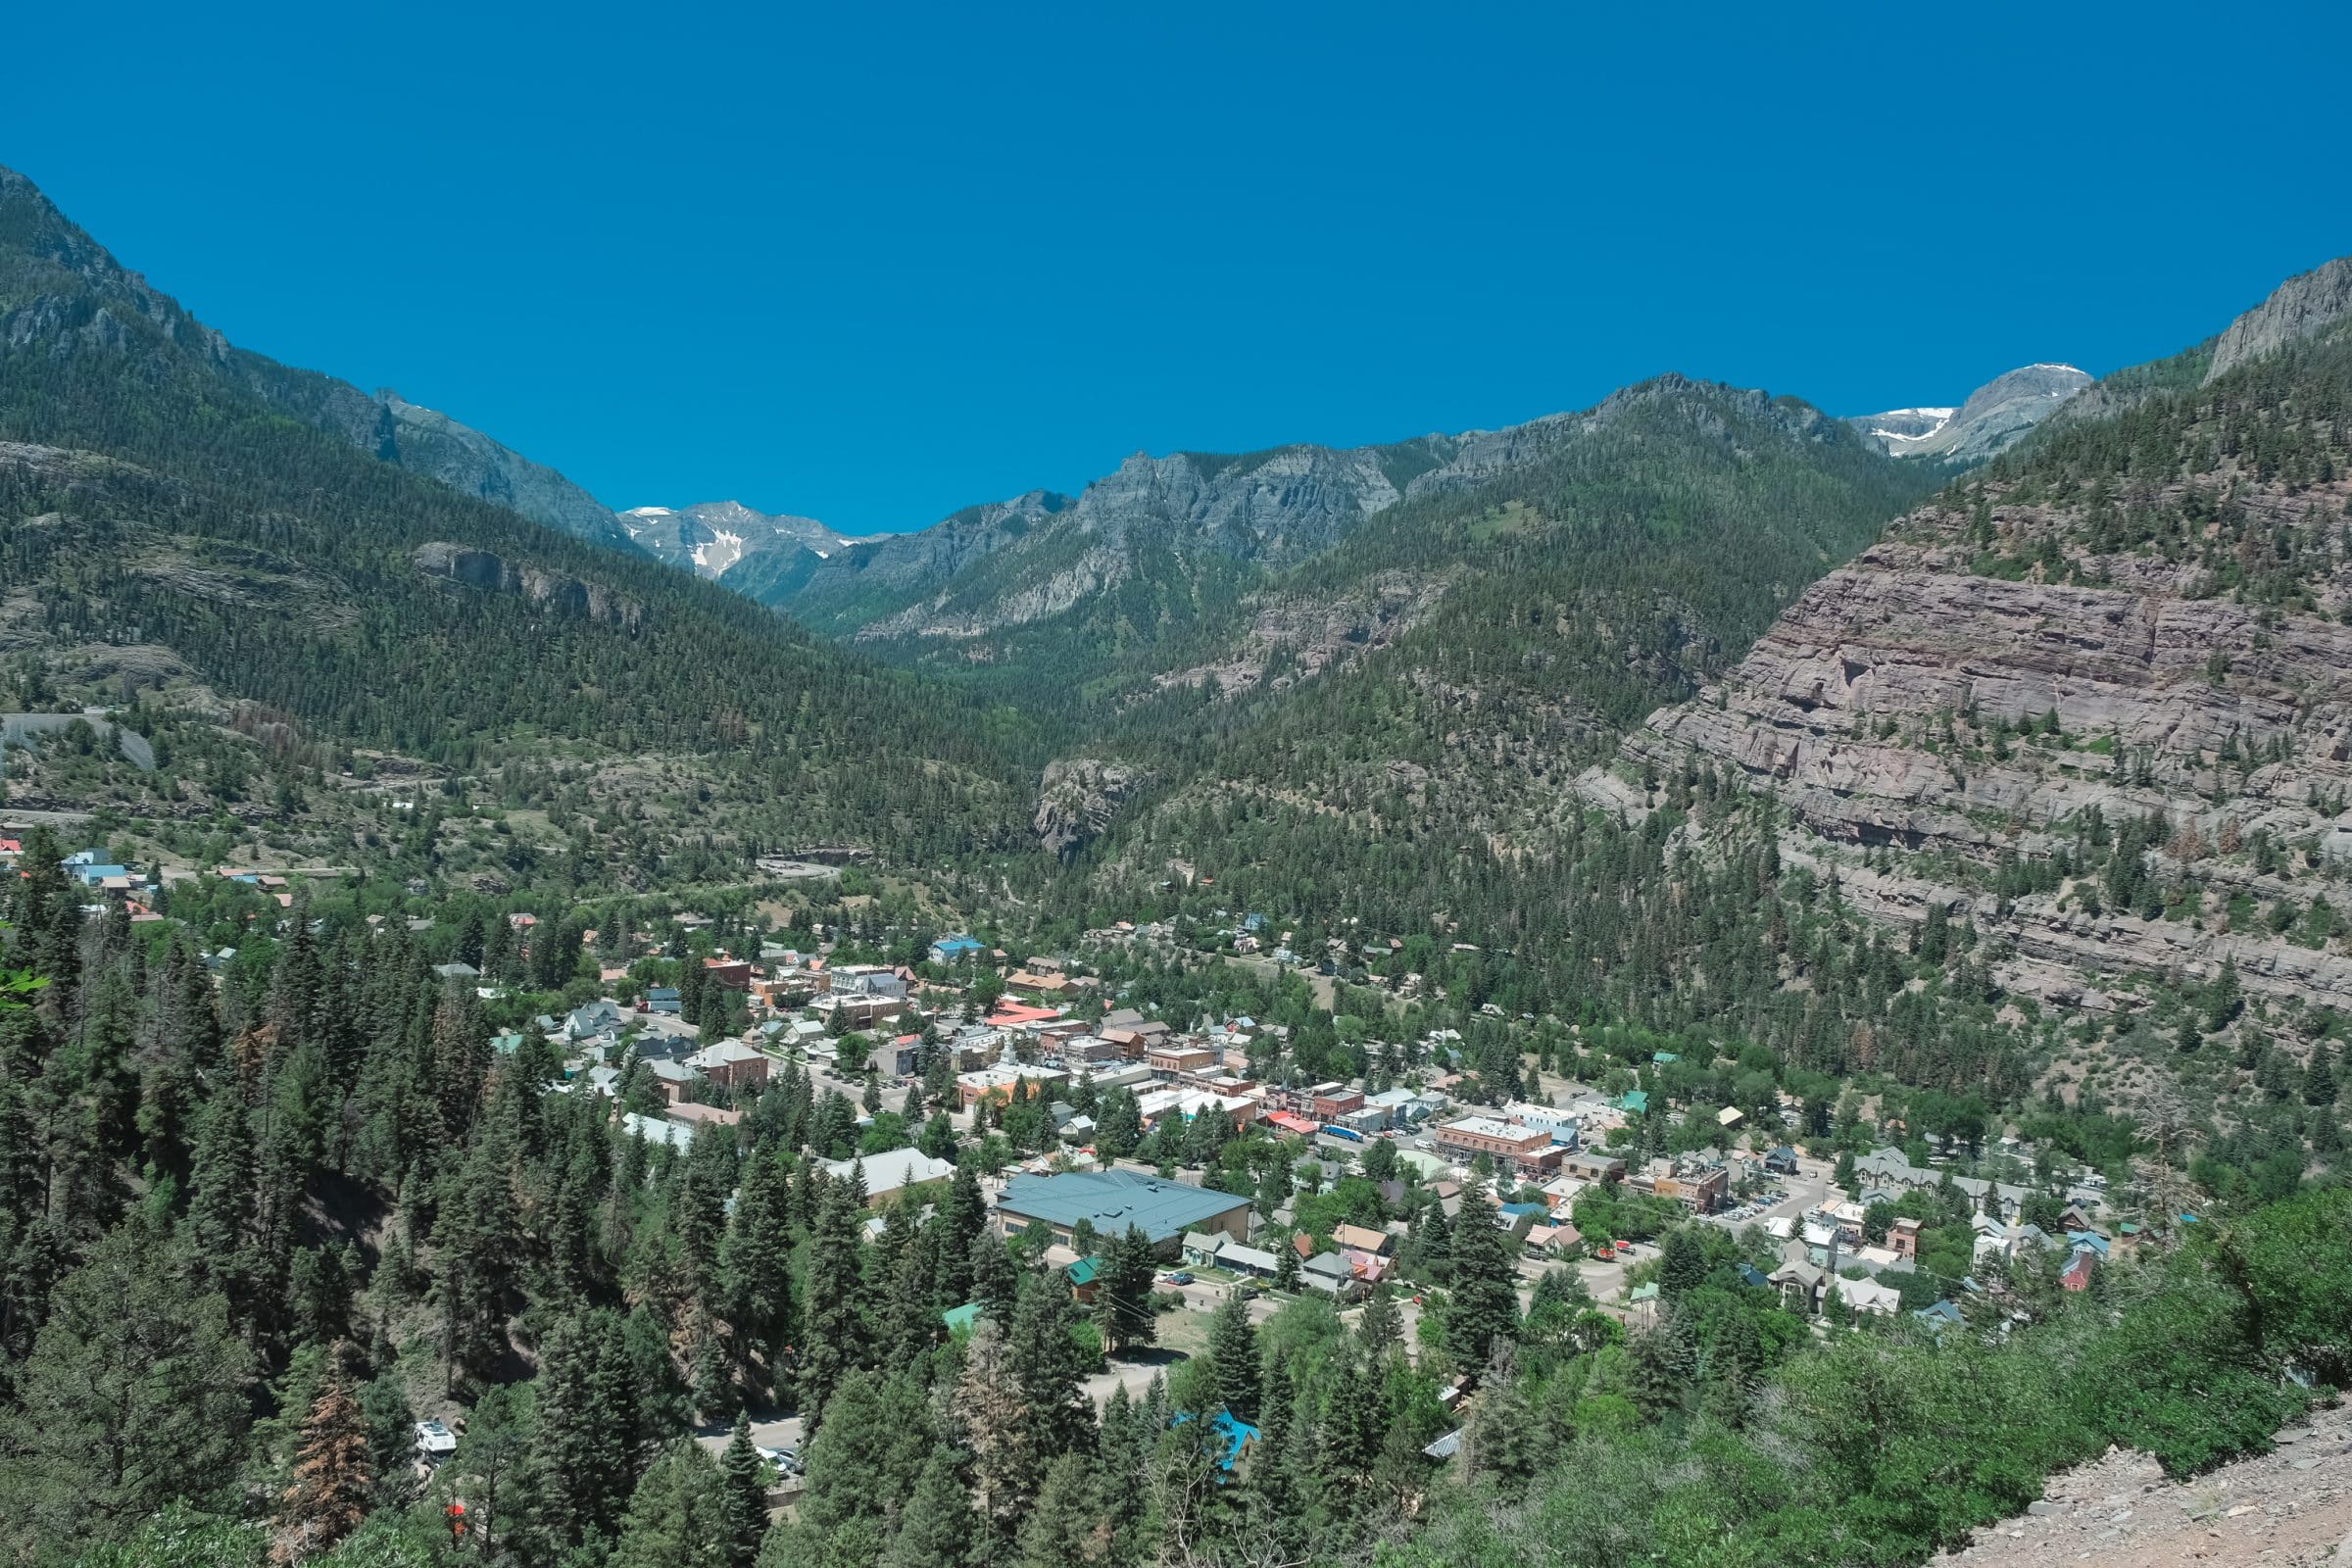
column 1064, row 1526
column 744, row 1504
column 833, row 1333
column 1380, row 1328
column 1482, row 1302
column 334, row 1474
column 1233, row 1355
column 936, row 1529
column 988, row 1401
column 1124, row 1307
column 678, row 1514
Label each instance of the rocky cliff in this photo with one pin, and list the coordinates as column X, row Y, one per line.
column 1077, row 798
column 547, row 590
column 2302, row 307
column 2099, row 703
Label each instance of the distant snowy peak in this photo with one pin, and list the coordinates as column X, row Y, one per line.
column 1898, row 428
column 712, row 537
column 1995, row 416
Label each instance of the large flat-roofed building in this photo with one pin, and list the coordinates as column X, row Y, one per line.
column 1111, row 1200
column 1490, row 1136
column 997, row 1083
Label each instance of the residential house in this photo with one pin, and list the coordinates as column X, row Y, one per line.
column 955, row 948
column 1869, row 1295
column 1800, row 1287
column 594, row 1018
column 887, row 1175
column 1331, row 1274
column 674, row 1079
column 867, row 980
column 731, row 1064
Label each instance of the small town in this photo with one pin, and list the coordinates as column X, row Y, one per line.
column 1161, row 1171
column 1115, row 787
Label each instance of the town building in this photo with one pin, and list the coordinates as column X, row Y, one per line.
column 1113, row 1201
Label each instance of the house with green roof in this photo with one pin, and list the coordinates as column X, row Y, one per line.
column 1113, row 1201
column 1634, row 1102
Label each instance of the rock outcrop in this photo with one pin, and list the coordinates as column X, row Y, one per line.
column 2006, row 683
column 2302, row 307
column 1995, row 416
column 1076, row 799
column 546, row 590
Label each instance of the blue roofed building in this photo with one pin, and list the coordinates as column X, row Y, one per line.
column 1230, row 1433
column 1111, row 1200
column 955, row 948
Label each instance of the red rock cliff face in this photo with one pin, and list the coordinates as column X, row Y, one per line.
column 1883, row 712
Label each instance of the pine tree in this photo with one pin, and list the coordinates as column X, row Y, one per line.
column 962, row 1215
column 1233, row 1356
column 1682, row 1261
column 756, row 1264
column 936, row 1529
column 334, row 1476
column 1500, row 1442
column 678, row 1514
column 988, row 1401
column 2319, row 1076
column 1124, row 1307
column 583, row 1466
column 1380, row 1328
column 744, row 1504
column 1482, row 1304
column 833, row 1336
column 140, row 1387
column 1043, row 1356
column 1064, row 1526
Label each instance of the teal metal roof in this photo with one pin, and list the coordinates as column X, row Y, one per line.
column 1636, row 1100
column 1113, row 1199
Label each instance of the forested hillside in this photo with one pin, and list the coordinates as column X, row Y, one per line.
column 2091, row 703
column 174, row 540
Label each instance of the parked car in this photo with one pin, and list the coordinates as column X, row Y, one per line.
column 1177, row 1277
column 786, row 1460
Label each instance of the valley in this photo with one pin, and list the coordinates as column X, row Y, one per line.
column 1687, row 981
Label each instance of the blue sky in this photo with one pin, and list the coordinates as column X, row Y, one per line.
column 873, row 262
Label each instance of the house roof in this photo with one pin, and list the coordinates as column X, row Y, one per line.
column 1113, row 1199
column 1083, row 1271
column 961, row 1317
column 888, row 1172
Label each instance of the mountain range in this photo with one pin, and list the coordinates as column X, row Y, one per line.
column 1994, row 417
column 296, row 572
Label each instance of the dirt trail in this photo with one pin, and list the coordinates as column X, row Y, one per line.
column 2291, row 1508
